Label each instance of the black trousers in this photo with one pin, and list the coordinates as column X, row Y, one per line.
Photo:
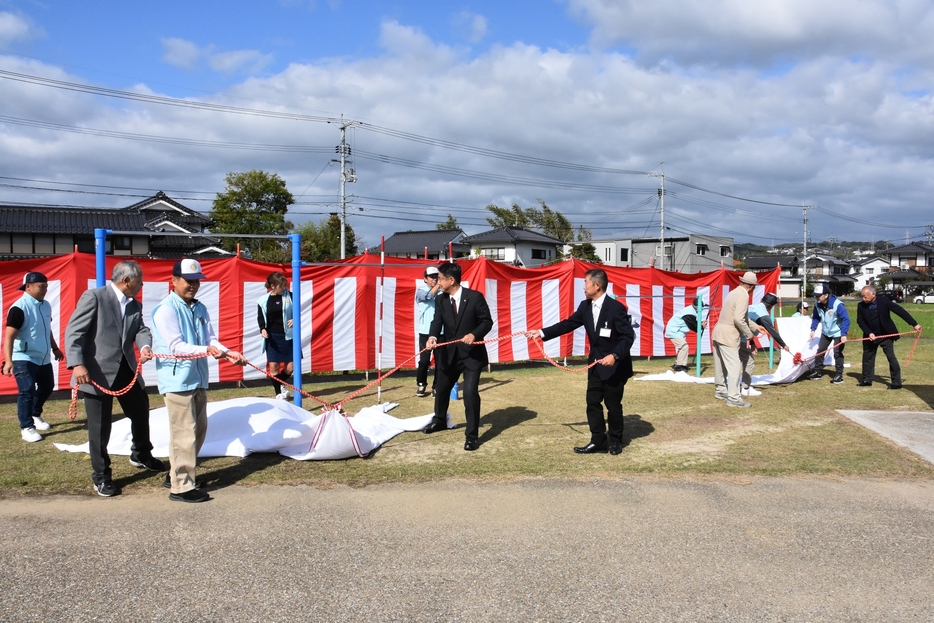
column 445, row 377
column 824, row 344
column 424, row 362
column 99, row 409
column 869, row 360
column 609, row 393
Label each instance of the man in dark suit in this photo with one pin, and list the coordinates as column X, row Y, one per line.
column 873, row 315
column 464, row 316
column 99, row 341
column 611, row 337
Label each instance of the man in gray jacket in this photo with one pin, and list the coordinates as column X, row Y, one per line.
column 99, row 343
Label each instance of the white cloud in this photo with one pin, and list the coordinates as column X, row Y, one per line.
column 761, row 32
column 180, row 53
column 470, row 26
column 250, row 61
column 17, row 28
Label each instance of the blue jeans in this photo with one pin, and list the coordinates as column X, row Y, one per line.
column 35, row 384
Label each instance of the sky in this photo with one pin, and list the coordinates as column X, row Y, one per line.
column 747, row 110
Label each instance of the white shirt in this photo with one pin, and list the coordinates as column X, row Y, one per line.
column 456, row 297
column 121, row 298
column 596, row 305
column 166, row 323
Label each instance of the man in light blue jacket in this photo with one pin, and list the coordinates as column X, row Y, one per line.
column 834, row 321
column 677, row 330
column 425, row 298
column 182, row 326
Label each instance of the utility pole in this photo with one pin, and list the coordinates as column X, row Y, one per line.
column 661, row 235
column 804, row 278
column 347, row 175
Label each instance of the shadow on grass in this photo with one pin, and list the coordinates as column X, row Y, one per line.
column 501, row 419
column 634, row 427
column 924, row 392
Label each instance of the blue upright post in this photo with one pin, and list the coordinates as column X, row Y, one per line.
column 697, row 353
column 296, row 241
column 454, row 391
column 100, row 253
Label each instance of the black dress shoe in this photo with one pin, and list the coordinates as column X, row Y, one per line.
column 895, row 386
column 616, row 447
column 151, row 463
column 192, row 495
column 434, row 427
column 864, row 384
column 471, row 444
column 591, row 448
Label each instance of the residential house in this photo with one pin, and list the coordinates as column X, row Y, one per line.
column 687, row 254
column 433, row 244
column 910, row 262
column 35, row 231
column 515, row 245
column 867, row 270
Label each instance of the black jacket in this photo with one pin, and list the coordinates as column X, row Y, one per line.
column 884, row 308
column 613, row 316
column 473, row 316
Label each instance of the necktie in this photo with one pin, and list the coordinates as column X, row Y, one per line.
column 454, row 307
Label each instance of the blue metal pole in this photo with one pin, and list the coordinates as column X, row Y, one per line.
column 100, row 253
column 296, row 240
column 697, row 353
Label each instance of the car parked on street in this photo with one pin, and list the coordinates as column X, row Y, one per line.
column 924, row 297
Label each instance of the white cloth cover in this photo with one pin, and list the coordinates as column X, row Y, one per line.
column 795, row 332
column 241, row 426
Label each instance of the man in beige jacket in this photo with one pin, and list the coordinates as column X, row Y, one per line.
column 734, row 320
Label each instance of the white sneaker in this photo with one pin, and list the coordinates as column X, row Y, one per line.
column 282, row 396
column 751, row 391
column 40, row 423
column 30, row 434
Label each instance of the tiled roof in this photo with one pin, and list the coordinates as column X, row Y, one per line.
column 58, row 220
column 913, row 247
column 416, row 241
column 769, row 261
column 180, row 212
column 903, row 273
column 511, row 234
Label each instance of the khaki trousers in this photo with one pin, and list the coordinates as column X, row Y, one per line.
column 747, row 362
column 727, row 370
column 681, row 350
column 188, row 424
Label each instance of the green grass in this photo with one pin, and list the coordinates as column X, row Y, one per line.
column 533, row 415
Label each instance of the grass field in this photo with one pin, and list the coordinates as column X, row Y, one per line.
column 533, row 414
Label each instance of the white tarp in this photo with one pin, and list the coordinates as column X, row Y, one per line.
column 795, row 332
column 241, row 426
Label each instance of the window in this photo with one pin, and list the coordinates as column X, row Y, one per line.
column 608, row 254
column 869, row 271
column 624, row 255
column 724, row 251
column 495, row 254
column 539, row 254
column 702, row 249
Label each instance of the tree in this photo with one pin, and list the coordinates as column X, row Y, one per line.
column 508, row 217
column 254, row 202
column 451, row 223
column 551, row 222
column 585, row 250
column 323, row 241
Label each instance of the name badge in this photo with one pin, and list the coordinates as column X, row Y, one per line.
column 605, row 332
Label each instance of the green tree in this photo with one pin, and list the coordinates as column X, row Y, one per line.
column 584, row 249
column 507, row 217
column 551, row 222
column 451, row 223
column 322, row 241
column 254, row 202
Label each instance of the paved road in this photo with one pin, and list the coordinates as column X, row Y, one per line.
column 639, row 549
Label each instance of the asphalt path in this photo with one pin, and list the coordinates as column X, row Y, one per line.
column 636, row 549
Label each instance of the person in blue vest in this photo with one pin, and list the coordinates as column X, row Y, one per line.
column 28, row 348
column 182, row 326
column 760, row 313
column 677, row 330
column 425, row 298
column 834, row 322
column 274, row 316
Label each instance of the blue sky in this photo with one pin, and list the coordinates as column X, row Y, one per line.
column 750, row 108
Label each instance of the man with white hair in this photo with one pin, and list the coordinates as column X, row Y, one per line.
column 734, row 321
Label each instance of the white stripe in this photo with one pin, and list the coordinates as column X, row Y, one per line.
column 706, row 346
column 551, row 312
column 658, row 321
column 345, row 301
column 54, row 296
column 388, row 294
column 580, row 334
column 492, row 349
column 252, row 340
column 210, row 296
column 307, row 327
column 757, row 293
column 153, row 293
column 518, row 319
column 634, row 304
